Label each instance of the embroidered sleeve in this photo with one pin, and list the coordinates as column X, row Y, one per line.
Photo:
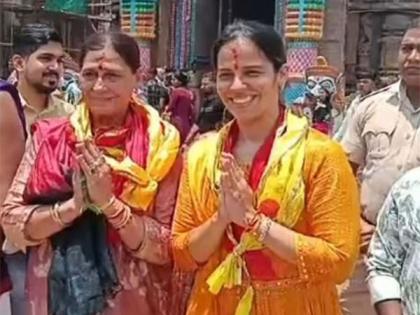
column 183, row 224
column 15, row 213
column 332, row 212
column 156, row 243
column 386, row 255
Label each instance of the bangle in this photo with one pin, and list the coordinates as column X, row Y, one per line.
column 117, row 213
column 126, row 218
column 55, row 214
column 264, row 228
column 107, row 204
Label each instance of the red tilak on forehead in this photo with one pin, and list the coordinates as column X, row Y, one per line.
column 235, row 54
column 102, row 60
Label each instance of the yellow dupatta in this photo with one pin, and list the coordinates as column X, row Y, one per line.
column 282, row 182
column 164, row 142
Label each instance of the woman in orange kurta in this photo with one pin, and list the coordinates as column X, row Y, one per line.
column 267, row 213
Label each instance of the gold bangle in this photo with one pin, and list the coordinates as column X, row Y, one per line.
column 126, row 217
column 107, row 204
column 55, row 214
column 117, row 213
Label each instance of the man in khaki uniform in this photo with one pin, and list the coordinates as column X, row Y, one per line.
column 382, row 143
column 37, row 60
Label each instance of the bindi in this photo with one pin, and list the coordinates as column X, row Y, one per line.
column 235, row 54
column 102, row 60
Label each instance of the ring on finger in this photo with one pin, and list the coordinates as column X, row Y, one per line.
column 98, row 163
column 93, row 169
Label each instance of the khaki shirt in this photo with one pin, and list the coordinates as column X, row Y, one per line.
column 384, row 139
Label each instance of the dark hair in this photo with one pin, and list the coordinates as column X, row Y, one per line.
column 123, row 44
column 32, row 36
column 264, row 36
column 210, row 75
column 181, row 77
column 152, row 71
column 366, row 75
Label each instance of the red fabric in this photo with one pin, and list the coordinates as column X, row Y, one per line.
column 181, row 109
column 322, row 127
column 259, row 265
column 51, row 177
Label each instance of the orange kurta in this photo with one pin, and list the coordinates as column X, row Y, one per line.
column 326, row 241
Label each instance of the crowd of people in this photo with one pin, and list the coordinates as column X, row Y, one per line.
column 146, row 193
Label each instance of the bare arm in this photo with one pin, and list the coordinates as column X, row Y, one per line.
column 389, row 308
column 11, row 140
column 41, row 224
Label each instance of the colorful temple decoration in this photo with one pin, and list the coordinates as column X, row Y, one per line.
column 139, row 18
column 303, row 29
column 295, row 89
column 182, row 33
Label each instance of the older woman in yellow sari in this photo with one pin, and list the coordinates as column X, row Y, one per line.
column 267, row 212
column 93, row 198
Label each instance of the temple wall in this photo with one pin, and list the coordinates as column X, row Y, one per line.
column 332, row 45
column 374, row 33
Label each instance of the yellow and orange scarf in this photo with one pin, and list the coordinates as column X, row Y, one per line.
column 141, row 154
column 162, row 150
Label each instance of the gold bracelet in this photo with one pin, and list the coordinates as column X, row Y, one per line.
column 264, row 228
column 107, row 204
column 55, row 214
column 126, row 217
column 117, row 213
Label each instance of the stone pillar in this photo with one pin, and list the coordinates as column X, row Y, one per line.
column 332, row 44
column 161, row 46
column 379, row 30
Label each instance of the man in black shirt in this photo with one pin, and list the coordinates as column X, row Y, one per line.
column 156, row 93
column 212, row 109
